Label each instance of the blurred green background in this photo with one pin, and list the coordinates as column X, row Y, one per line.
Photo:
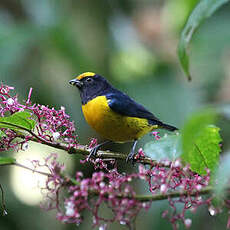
column 43, row 44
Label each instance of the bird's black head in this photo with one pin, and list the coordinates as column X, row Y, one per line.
column 90, row 85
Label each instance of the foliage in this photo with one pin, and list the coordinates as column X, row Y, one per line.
column 201, row 142
column 7, row 160
column 2, row 134
column 17, row 121
column 203, row 10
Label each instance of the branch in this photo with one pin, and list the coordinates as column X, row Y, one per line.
column 161, row 196
column 175, row 194
column 28, row 168
column 33, row 170
column 3, row 201
column 142, row 198
column 84, row 150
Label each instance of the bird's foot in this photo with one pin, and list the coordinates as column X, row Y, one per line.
column 93, row 151
column 131, row 157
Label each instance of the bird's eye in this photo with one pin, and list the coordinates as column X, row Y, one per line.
column 89, row 79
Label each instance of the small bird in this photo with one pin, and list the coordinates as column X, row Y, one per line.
column 113, row 114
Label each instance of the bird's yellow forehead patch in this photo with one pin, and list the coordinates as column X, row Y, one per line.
column 86, row 74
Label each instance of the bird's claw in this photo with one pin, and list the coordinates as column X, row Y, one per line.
column 130, row 157
column 93, row 152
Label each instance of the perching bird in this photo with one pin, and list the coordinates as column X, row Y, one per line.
column 112, row 113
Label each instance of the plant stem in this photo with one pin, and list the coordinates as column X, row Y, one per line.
column 175, row 194
column 142, row 198
column 26, row 167
column 84, row 150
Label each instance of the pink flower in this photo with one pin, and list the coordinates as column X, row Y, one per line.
column 156, row 135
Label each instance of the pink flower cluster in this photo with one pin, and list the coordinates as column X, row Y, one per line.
column 55, row 181
column 116, row 191
column 176, row 178
column 51, row 125
column 106, row 187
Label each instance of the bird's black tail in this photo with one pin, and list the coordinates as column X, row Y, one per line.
column 168, row 127
column 162, row 125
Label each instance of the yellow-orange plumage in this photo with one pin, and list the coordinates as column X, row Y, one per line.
column 86, row 74
column 111, row 125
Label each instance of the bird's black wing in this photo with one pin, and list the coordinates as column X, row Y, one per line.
column 123, row 104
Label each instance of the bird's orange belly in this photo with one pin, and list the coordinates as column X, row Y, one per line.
column 111, row 125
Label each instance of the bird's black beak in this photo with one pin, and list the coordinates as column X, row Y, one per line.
column 76, row 82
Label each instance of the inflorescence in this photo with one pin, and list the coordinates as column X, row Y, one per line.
column 51, row 125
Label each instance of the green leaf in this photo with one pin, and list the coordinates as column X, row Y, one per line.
column 7, row 160
column 203, row 10
column 168, row 147
column 221, row 178
column 2, row 134
column 17, row 121
column 200, row 142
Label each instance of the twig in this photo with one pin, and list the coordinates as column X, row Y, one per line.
column 4, row 212
column 33, row 170
column 142, row 198
column 175, row 194
column 26, row 167
column 84, row 150
column 161, row 196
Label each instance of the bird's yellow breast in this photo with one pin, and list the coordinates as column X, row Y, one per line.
column 111, row 125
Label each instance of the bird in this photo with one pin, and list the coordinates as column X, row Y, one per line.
column 113, row 114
